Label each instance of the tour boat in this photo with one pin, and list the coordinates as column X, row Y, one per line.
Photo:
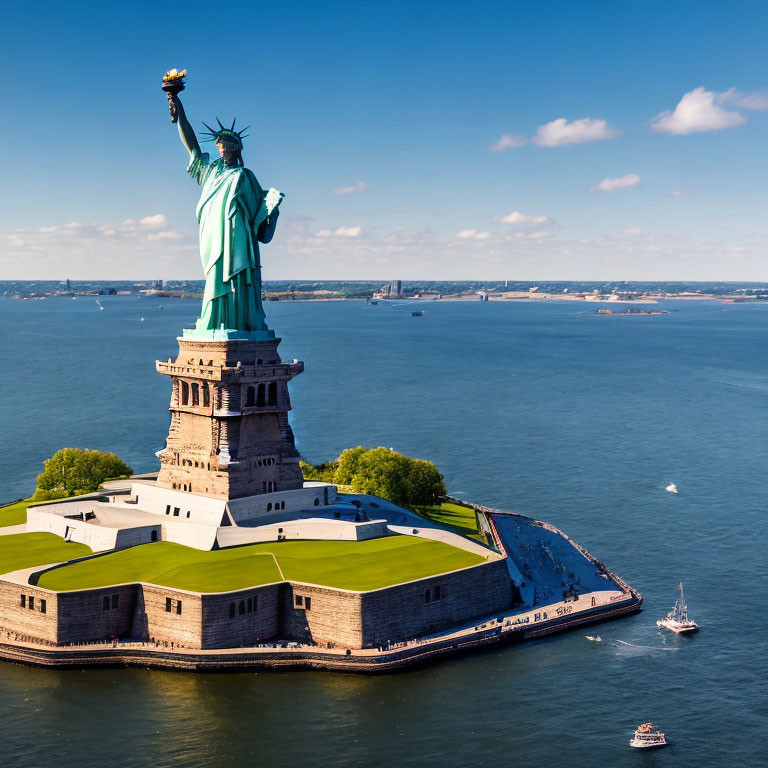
column 677, row 620
column 647, row 735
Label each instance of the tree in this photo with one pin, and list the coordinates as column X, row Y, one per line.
column 386, row 473
column 348, row 465
column 72, row 471
column 323, row 472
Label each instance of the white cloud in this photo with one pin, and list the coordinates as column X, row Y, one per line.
column 757, row 100
column 560, row 132
column 158, row 221
column 699, row 111
column 340, row 232
column 522, row 219
column 166, row 234
column 508, row 141
column 360, row 186
column 472, row 234
column 621, row 182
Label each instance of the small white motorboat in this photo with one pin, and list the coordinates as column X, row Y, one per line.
column 594, row 638
column 678, row 620
column 672, row 488
column 646, row 736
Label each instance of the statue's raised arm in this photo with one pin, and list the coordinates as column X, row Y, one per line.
column 234, row 215
column 173, row 85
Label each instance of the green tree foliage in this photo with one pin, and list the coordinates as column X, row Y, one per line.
column 72, row 471
column 323, row 472
column 397, row 478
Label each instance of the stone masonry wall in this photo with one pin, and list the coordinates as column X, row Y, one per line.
column 17, row 621
column 243, row 618
column 95, row 614
column 403, row 612
column 333, row 615
column 178, row 622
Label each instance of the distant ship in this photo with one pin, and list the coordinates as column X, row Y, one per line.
column 416, row 314
column 630, row 311
column 677, row 620
column 647, row 735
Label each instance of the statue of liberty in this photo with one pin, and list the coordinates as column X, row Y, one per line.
column 234, row 215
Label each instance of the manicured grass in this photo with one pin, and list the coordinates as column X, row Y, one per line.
column 460, row 519
column 15, row 514
column 356, row 565
column 24, row 550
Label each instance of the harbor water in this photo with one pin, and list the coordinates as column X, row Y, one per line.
column 547, row 409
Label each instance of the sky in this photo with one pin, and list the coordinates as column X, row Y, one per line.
column 413, row 140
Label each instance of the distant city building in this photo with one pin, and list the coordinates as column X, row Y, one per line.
column 396, row 288
column 69, row 285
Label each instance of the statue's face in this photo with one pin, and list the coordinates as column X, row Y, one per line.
column 227, row 151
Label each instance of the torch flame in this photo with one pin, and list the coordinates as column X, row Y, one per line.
column 174, row 74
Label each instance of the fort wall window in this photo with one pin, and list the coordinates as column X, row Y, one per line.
column 168, row 604
column 241, row 607
column 231, row 610
column 23, row 602
column 206, row 396
column 307, row 603
column 260, row 399
column 299, row 601
column 176, row 511
column 31, row 603
column 250, row 397
column 195, row 394
column 184, row 393
column 43, row 606
column 115, row 601
column 167, row 509
column 178, row 607
column 153, row 536
column 105, row 603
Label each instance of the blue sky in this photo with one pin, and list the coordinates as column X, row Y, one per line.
column 641, row 127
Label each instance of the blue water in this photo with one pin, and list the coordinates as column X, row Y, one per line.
column 546, row 409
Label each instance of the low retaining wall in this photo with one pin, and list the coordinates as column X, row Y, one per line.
column 288, row 658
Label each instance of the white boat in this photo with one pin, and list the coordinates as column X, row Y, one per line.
column 672, row 488
column 646, row 736
column 594, row 638
column 677, row 620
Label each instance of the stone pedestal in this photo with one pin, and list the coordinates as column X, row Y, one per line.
column 229, row 435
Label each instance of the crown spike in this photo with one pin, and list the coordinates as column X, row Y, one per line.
column 233, row 125
column 220, row 125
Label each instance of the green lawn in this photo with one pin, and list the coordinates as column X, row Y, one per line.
column 356, row 565
column 15, row 514
column 23, row 550
column 459, row 519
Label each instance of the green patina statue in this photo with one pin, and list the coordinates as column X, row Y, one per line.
column 234, row 215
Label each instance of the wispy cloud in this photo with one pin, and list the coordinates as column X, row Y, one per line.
column 627, row 181
column 508, row 141
column 472, row 234
column 157, row 221
column 525, row 220
column 340, row 232
column 701, row 110
column 359, row 186
column 559, row 133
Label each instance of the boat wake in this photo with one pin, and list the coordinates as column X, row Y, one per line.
column 649, row 647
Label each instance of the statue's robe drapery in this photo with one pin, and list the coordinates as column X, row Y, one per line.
column 233, row 219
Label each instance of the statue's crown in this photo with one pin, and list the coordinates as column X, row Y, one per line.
column 226, row 134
